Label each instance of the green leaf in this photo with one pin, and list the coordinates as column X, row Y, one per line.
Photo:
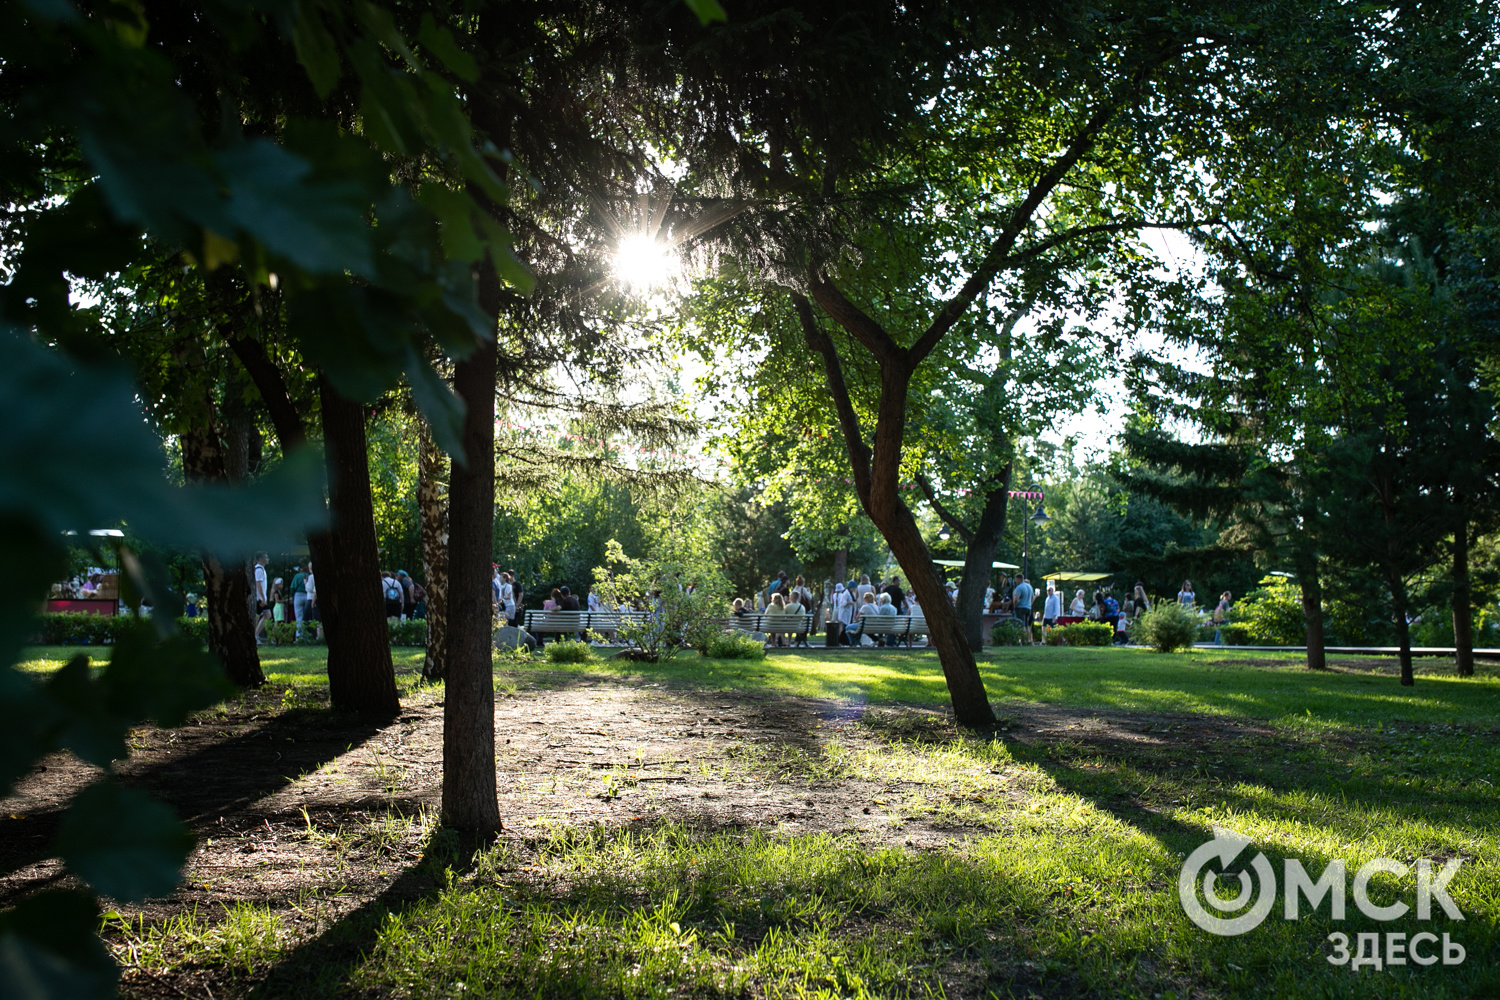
column 319, row 226
column 122, row 842
column 316, row 49
column 444, row 411
column 507, row 265
column 162, row 681
column 439, row 41
column 49, row 949
column 77, row 716
column 707, row 10
column 454, row 211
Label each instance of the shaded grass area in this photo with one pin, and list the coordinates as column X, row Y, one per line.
column 1057, row 877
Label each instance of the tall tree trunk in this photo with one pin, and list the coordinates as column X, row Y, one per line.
column 841, row 564
column 469, row 794
column 877, row 475
column 1312, row 610
column 360, row 675
column 979, row 558
column 432, row 507
column 1463, row 601
column 291, row 433
column 231, row 628
column 1403, row 630
column 971, row 705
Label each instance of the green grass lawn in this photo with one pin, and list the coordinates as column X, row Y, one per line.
column 1058, row 876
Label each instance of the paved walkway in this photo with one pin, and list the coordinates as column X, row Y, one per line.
column 1483, row 654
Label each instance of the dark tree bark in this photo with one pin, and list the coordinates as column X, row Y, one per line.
column 360, row 675
column 231, row 628
column 980, row 546
column 1312, row 610
column 469, row 794
column 841, row 563
column 1463, row 600
column 432, row 473
column 291, row 433
column 1399, row 605
column 876, row 475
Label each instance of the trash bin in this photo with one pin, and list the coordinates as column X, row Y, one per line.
column 834, row 635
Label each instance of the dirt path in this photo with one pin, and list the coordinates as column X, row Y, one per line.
column 255, row 784
column 318, row 816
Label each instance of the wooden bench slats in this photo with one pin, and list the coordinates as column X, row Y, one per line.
column 579, row 621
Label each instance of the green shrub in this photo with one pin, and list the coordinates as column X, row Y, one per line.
column 569, row 651
column 1167, row 627
column 1082, row 634
column 194, row 628
column 75, row 628
column 1272, row 615
column 282, row 633
column 412, row 632
column 1007, row 632
column 735, row 646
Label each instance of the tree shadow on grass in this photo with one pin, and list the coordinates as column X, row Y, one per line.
column 216, row 777
column 321, row 966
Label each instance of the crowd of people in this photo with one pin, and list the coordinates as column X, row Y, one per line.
column 293, row 598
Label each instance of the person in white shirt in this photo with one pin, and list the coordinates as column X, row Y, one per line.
column 261, row 597
column 843, row 605
column 595, row 604
column 1080, row 606
column 1051, row 608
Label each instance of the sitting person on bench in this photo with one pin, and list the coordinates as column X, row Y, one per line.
column 776, row 607
column 886, row 608
column 794, row 607
column 853, row 633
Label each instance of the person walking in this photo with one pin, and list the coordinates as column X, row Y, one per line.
column 1138, row 598
column 390, row 589
column 299, row 598
column 1079, row 607
column 1051, row 609
column 314, row 615
column 1185, row 596
column 260, row 594
column 843, row 605
column 1022, row 596
column 1221, row 615
column 278, row 601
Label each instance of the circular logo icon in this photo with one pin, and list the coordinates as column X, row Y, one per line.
column 1225, row 847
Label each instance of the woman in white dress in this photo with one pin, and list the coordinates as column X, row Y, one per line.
column 843, row 605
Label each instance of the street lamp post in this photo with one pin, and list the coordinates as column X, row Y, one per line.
column 1032, row 492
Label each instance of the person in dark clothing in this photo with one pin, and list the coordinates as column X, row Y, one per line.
column 569, row 601
column 898, row 596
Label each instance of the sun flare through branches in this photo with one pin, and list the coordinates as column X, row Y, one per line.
column 643, row 263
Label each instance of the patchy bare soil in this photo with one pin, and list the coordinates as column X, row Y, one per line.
column 318, row 815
